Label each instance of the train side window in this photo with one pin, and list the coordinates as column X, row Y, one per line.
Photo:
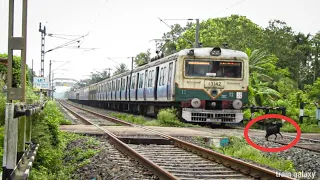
column 132, row 82
column 164, row 75
column 140, row 80
column 160, row 75
column 170, row 73
column 117, row 84
column 149, row 79
column 152, row 83
column 146, row 81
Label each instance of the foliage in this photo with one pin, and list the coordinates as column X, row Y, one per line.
column 121, row 68
column 166, row 118
column 16, row 66
column 1, row 142
column 142, row 58
column 53, row 161
column 239, row 148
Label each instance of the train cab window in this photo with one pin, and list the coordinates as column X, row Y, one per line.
column 209, row 68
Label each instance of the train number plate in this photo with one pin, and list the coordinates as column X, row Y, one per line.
column 217, row 84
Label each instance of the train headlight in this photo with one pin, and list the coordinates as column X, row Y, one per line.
column 195, row 102
column 215, row 51
column 213, row 104
column 237, row 104
column 191, row 52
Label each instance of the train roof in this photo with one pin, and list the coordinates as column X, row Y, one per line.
column 204, row 52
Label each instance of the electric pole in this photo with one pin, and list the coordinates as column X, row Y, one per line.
column 197, row 33
column 109, row 69
column 32, row 73
column 43, row 34
column 50, row 79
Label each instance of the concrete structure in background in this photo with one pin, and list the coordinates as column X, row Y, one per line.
column 61, row 86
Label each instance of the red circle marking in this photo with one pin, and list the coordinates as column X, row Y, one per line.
column 275, row 116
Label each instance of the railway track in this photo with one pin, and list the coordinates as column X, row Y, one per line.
column 172, row 158
column 304, row 143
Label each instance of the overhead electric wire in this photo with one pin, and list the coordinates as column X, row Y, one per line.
column 239, row 2
column 175, row 32
column 66, row 44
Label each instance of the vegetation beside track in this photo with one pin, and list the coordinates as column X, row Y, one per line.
column 58, row 154
column 166, row 118
column 239, row 148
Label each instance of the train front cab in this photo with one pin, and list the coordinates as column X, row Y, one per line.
column 213, row 88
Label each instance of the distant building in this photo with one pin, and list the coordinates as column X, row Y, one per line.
column 61, row 86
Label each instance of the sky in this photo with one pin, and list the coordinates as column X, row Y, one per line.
column 119, row 29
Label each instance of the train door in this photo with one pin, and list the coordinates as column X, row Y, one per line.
column 112, row 90
column 127, row 82
column 137, row 82
column 169, row 84
column 120, row 88
column 156, row 83
column 145, row 85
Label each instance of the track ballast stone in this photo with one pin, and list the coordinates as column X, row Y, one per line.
column 304, row 160
column 109, row 163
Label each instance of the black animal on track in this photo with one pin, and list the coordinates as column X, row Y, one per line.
column 273, row 129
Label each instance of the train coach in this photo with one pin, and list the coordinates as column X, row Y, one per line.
column 206, row 85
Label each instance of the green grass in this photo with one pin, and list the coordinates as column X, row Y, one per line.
column 305, row 128
column 165, row 118
column 238, row 147
column 53, row 160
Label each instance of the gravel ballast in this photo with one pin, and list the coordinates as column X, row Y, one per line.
column 109, row 163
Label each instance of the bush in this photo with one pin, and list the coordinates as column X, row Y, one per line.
column 168, row 117
column 51, row 158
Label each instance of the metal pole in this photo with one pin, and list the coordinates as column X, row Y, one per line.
column 197, row 33
column 132, row 63
column 301, row 112
column 43, row 35
column 32, row 73
column 50, row 79
column 11, row 142
column 22, row 120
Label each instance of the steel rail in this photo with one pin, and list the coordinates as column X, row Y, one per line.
column 160, row 172
column 300, row 146
column 283, row 134
column 236, row 164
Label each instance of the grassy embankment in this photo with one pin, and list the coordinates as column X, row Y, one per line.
column 239, row 148
column 54, row 160
column 166, row 118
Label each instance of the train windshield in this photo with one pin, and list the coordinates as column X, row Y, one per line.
column 209, row 68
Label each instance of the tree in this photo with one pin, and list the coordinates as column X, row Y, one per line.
column 121, row 69
column 238, row 31
column 142, row 58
